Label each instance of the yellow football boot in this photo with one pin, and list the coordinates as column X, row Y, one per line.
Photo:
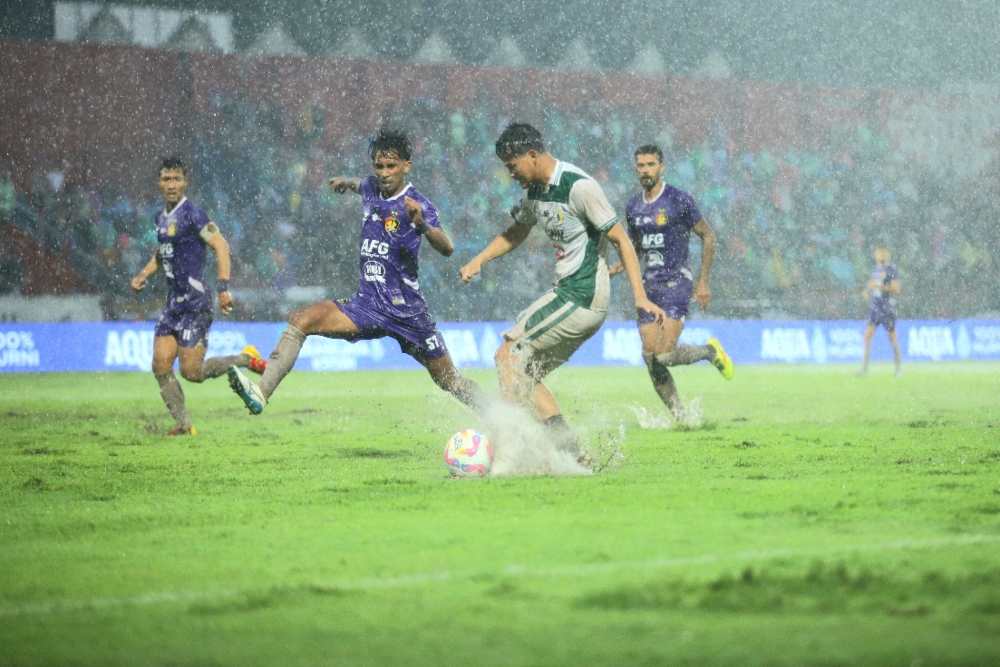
column 721, row 360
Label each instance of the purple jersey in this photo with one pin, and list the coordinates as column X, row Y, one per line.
column 883, row 302
column 389, row 250
column 660, row 231
column 182, row 256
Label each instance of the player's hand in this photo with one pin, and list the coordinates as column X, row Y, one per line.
column 340, row 184
column 138, row 282
column 470, row 271
column 702, row 294
column 616, row 269
column 648, row 306
column 415, row 211
column 226, row 302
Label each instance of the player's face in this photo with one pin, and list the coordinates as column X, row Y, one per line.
column 391, row 171
column 881, row 256
column 649, row 169
column 523, row 168
column 173, row 184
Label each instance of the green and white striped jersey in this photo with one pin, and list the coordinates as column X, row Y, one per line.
column 576, row 216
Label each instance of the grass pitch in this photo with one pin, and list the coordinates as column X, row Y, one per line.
column 814, row 518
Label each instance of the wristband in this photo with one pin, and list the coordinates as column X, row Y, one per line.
column 221, row 286
column 419, row 229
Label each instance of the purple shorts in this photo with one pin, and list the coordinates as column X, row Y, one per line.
column 189, row 327
column 673, row 297
column 881, row 317
column 417, row 336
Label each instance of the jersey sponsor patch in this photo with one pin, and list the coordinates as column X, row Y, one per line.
column 374, row 272
column 374, row 248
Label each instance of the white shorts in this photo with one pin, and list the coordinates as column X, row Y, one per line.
column 550, row 330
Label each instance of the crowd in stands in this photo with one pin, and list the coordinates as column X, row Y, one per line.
column 796, row 226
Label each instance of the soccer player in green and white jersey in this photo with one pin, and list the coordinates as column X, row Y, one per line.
column 573, row 211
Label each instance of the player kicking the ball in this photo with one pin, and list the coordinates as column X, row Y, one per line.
column 183, row 231
column 660, row 220
column 388, row 303
column 573, row 212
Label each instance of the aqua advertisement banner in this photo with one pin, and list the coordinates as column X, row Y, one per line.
column 128, row 346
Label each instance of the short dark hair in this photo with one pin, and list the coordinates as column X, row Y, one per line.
column 173, row 162
column 649, row 149
column 518, row 139
column 390, row 140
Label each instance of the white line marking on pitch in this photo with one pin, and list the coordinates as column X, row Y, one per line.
column 512, row 570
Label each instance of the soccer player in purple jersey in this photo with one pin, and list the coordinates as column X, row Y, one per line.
column 183, row 231
column 881, row 291
column 660, row 220
column 388, row 303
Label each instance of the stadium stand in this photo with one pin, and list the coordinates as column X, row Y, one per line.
column 800, row 183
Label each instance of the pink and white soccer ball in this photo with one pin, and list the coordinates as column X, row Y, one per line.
column 468, row 453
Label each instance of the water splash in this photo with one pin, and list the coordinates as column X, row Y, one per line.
column 690, row 416
column 525, row 447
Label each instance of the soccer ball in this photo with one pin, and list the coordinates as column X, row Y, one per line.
column 468, row 453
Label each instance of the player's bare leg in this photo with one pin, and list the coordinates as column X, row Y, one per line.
column 322, row 318
column 869, row 334
column 896, row 356
column 442, row 370
column 196, row 368
column 520, row 384
column 658, row 340
column 544, row 403
column 164, row 353
column 515, row 385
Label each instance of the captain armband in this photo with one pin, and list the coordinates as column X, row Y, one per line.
column 209, row 231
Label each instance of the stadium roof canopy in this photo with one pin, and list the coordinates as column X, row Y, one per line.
column 275, row 41
column 848, row 42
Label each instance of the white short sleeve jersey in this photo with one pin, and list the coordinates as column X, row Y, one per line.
column 576, row 216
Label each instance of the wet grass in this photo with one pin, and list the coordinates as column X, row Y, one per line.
column 814, row 519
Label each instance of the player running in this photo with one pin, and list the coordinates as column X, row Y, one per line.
column 881, row 291
column 660, row 220
column 571, row 208
column 183, row 231
column 388, row 303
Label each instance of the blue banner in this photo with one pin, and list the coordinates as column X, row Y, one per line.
column 121, row 346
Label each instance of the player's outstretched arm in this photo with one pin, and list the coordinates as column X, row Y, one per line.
column 223, row 262
column 630, row 261
column 702, row 291
column 139, row 280
column 341, row 184
column 504, row 242
column 437, row 237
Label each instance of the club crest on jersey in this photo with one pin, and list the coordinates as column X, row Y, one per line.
column 172, row 229
column 661, row 218
column 559, row 216
column 391, row 222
